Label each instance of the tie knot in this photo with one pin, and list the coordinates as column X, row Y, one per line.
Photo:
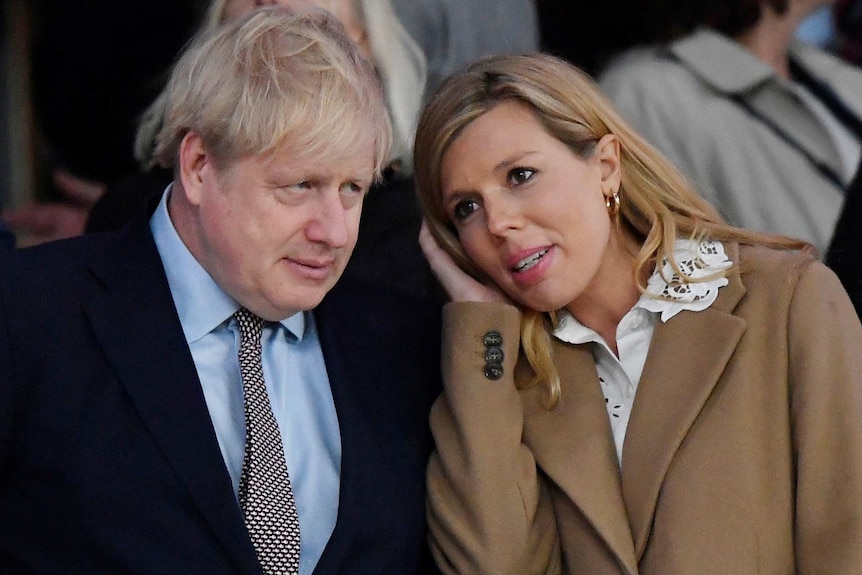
column 250, row 325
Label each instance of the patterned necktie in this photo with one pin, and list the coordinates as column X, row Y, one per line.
column 265, row 495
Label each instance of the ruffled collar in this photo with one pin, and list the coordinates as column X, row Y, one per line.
column 669, row 293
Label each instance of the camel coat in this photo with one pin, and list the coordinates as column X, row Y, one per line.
column 743, row 453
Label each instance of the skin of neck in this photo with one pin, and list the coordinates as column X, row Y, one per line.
column 613, row 293
column 770, row 38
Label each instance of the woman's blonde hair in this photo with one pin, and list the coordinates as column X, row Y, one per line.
column 271, row 77
column 657, row 203
column 398, row 59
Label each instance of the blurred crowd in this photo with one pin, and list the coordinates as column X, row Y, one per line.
column 758, row 102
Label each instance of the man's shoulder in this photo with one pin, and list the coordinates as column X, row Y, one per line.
column 60, row 265
column 354, row 298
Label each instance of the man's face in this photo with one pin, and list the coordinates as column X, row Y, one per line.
column 275, row 231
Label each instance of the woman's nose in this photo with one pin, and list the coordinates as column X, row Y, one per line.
column 502, row 216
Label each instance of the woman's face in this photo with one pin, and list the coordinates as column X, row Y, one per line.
column 345, row 10
column 529, row 212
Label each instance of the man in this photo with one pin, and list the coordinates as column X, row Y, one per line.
column 142, row 430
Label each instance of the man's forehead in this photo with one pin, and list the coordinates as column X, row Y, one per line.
column 324, row 152
column 356, row 161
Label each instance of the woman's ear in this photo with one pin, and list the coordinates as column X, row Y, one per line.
column 607, row 154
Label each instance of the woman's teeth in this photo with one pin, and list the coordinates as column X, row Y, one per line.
column 530, row 261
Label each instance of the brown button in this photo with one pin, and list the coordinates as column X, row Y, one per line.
column 493, row 339
column 493, row 371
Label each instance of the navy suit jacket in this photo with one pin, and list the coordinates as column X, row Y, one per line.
column 108, row 459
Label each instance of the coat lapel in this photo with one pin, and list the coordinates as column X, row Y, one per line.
column 573, row 445
column 687, row 356
column 352, row 448
column 137, row 325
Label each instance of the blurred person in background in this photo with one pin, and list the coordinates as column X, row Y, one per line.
column 766, row 127
column 454, row 33
column 96, row 65
column 848, row 24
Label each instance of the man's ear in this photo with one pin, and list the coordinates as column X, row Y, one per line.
column 607, row 154
column 194, row 167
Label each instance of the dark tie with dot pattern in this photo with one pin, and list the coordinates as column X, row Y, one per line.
column 265, row 495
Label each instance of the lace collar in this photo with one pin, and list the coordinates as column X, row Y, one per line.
column 669, row 293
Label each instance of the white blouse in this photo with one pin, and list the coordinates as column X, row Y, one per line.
column 667, row 294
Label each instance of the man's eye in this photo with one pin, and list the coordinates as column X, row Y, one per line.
column 463, row 209
column 353, row 188
column 518, row 176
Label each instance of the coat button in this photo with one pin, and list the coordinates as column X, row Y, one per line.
column 493, row 339
column 494, row 355
column 493, row 371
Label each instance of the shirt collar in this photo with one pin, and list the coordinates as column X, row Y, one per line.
column 570, row 330
column 721, row 62
column 728, row 66
column 667, row 293
column 201, row 304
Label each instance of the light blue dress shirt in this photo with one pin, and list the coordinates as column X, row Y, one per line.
column 296, row 380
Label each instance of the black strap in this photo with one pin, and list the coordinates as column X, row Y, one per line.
column 829, row 97
column 825, row 170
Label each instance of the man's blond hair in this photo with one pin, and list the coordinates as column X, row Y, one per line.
column 272, row 78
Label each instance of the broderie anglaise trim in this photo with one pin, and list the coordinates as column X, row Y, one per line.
column 670, row 293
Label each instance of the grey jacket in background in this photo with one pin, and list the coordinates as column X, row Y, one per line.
column 453, row 33
column 681, row 98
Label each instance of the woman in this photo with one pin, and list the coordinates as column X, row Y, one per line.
column 685, row 396
column 768, row 128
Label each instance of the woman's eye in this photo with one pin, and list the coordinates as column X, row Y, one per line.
column 518, row 176
column 463, row 209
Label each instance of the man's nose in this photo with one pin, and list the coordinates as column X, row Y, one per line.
column 330, row 223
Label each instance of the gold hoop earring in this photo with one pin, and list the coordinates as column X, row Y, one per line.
column 612, row 203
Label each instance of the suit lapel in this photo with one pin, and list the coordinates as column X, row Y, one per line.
column 687, row 356
column 574, row 446
column 353, row 445
column 137, row 325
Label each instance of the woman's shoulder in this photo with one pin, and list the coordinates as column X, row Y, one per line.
column 759, row 263
column 796, row 292
column 782, row 275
